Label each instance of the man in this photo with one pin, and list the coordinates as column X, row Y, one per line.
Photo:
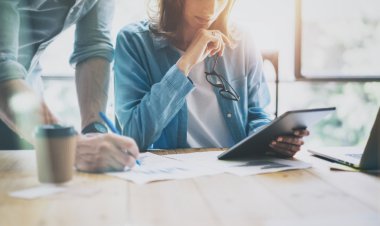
column 27, row 27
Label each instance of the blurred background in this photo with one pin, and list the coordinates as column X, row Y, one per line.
column 327, row 56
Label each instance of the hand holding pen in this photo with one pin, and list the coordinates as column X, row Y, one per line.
column 116, row 131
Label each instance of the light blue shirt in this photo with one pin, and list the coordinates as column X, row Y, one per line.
column 150, row 90
column 27, row 27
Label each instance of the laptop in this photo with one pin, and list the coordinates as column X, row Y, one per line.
column 367, row 158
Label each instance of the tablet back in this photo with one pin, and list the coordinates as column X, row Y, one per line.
column 258, row 143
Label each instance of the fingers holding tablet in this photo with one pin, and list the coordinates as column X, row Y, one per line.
column 288, row 146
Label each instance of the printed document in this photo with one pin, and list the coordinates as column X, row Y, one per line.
column 180, row 166
column 243, row 167
column 155, row 168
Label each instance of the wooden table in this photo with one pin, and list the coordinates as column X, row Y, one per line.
column 316, row 196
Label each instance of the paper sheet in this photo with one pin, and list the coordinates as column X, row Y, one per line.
column 46, row 190
column 37, row 192
column 155, row 168
column 241, row 167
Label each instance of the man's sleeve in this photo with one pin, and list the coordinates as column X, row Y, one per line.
column 9, row 35
column 93, row 33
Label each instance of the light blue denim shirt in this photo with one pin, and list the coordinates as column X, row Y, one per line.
column 150, row 90
column 28, row 27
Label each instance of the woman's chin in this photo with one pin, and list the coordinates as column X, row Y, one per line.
column 202, row 26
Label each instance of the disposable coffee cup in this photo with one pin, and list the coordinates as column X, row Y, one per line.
column 55, row 152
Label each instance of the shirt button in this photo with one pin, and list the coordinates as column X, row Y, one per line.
column 229, row 115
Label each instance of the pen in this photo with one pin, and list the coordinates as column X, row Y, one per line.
column 114, row 129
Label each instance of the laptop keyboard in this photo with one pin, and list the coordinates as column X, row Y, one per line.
column 356, row 156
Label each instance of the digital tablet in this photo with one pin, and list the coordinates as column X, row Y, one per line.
column 258, row 143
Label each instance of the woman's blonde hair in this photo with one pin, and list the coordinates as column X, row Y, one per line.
column 167, row 19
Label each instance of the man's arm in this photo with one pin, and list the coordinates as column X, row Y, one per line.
column 8, row 91
column 21, row 109
column 99, row 152
column 92, row 55
column 92, row 80
column 12, row 74
column 93, row 52
column 10, row 69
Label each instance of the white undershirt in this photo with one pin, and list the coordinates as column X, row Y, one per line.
column 206, row 126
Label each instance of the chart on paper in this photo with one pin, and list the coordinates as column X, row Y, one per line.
column 243, row 167
column 155, row 168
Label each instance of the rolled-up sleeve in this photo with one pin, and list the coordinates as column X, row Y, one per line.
column 258, row 92
column 93, row 34
column 144, row 109
column 9, row 32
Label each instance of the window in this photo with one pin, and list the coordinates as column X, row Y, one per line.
column 338, row 39
column 271, row 23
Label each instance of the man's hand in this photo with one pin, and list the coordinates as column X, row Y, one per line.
column 21, row 109
column 105, row 152
column 288, row 146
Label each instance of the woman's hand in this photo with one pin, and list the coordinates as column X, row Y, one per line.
column 205, row 42
column 288, row 146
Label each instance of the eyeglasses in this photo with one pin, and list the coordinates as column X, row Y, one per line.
column 217, row 80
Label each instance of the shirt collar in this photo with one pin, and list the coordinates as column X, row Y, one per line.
column 160, row 41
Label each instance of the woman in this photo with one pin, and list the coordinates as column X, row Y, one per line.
column 186, row 80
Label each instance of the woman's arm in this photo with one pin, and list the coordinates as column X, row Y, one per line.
column 285, row 146
column 258, row 92
column 142, row 108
